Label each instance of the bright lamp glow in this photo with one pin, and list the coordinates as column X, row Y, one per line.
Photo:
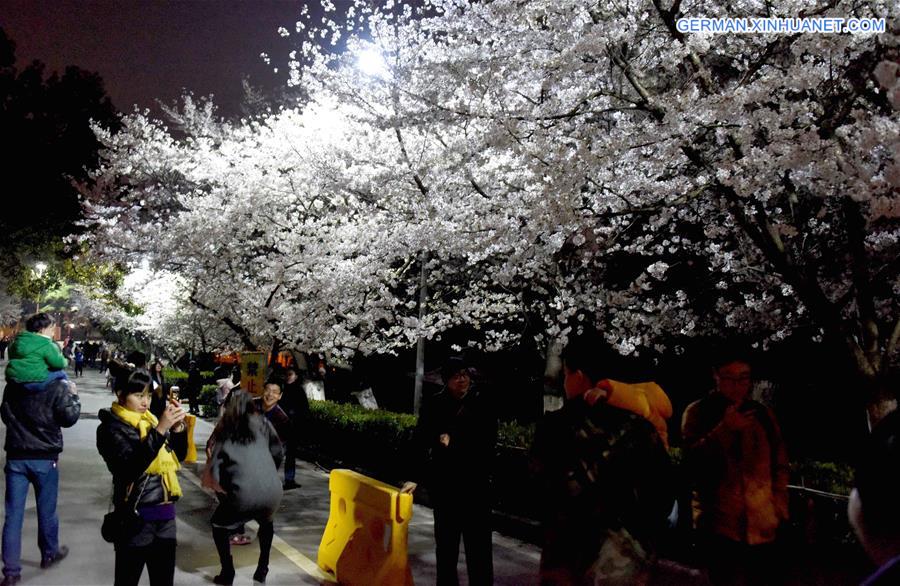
column 371, row 62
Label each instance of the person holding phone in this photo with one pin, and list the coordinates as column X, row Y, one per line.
column 143, row 453
column 734, row 449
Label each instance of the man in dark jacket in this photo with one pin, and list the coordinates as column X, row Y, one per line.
column 193, row 388
column 296, row 405
column 605, row 479
column 456, row 435
column 34, row 441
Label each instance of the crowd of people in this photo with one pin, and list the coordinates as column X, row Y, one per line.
column 601, row 463
column 607, row 487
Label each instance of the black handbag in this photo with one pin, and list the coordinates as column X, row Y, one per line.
column 123, row 522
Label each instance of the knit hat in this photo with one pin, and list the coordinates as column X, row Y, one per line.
column 453, row 365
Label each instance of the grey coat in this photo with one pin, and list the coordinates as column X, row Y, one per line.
column 249, row 474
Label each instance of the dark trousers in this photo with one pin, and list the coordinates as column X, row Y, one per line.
column 290, row 460
column 221, row 537
column 191, row 395
column 461, row 516
column 159, row 557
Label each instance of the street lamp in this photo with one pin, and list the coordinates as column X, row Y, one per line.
column 39, row 268
column 371, row 62
column 73, row 325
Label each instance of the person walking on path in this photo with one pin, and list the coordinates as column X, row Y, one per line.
column 34, row 418
column 243, row 470
column 295, row 403
column 604, row 479
column 456, row 436
column 79, row 361
column 4, row 344
column 143, row 454
column 737, row 459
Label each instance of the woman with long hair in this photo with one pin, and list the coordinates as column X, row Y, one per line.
column 243, row 470
column 158, row 391
column 143, row 453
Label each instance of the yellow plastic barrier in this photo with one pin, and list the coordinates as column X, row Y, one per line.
column 365, row 539
column 190, row 422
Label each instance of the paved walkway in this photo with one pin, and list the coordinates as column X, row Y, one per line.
column 85, row 487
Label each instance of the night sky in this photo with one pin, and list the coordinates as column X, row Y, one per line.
column 148, row 50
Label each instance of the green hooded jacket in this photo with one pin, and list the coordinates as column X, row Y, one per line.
column 31, row 357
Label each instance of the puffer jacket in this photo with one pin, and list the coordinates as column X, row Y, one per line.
column 34, row 420
column 127, row 457
column 31, row 356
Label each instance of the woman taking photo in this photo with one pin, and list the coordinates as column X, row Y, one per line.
column 243, row 470
column 143, row 453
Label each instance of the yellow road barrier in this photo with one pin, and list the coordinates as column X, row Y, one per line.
column 365, row 540
column 190, row 423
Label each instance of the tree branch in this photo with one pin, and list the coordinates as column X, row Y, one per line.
column 246, row 338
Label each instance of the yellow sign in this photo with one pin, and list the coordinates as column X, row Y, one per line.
column 253, row 372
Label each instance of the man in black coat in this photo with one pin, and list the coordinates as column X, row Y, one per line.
column 296, row 405
column 456, row 436
column 34, row 441
column 193, row 387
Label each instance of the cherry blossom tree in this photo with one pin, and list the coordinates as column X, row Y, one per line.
column 533, row 167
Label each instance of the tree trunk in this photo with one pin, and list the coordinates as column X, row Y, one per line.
column 420, row 344
column 881, row 401
column 273, row 356
column 552, row 368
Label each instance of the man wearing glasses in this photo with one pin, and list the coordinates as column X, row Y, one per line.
column 457, row 434
column 739, row 467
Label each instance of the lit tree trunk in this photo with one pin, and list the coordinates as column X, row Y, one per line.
column 420, row 345
column 273, row 355
column 552, row 368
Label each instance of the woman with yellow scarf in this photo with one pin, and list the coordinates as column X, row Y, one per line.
column 143, row 455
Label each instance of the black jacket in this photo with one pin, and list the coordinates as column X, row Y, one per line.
column 295, row 403
column 127, row 456
column 34, row 420
column 471, row 424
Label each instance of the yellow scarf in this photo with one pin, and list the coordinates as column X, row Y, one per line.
column 166, row 463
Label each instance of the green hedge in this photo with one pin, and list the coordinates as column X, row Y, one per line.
column 207, row 401
column 833, row 477
column 513, row 434
column 374, row 441
column 175, row 376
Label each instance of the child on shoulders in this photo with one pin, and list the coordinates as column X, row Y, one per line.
column 35, row 360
